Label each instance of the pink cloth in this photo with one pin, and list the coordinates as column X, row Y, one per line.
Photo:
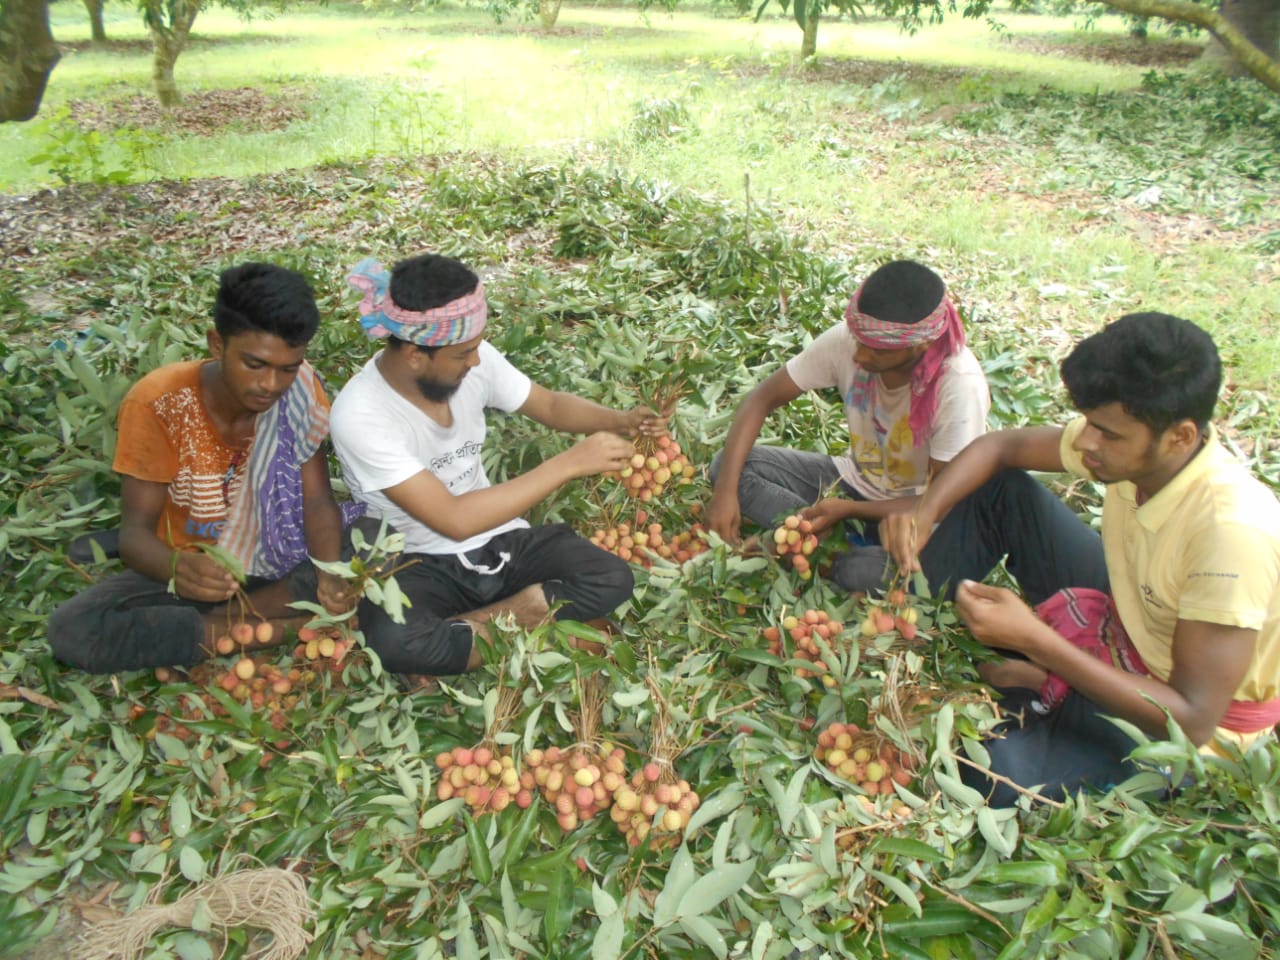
column 1089, row 620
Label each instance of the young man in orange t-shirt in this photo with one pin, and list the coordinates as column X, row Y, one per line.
column 226, row 451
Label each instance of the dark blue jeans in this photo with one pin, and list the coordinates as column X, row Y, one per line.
column 1047, row 548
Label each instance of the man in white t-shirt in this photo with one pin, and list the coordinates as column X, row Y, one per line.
column 914, row 397
column 409, row 429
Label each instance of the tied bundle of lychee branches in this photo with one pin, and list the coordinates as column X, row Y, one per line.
column 656, row 807
column 663, row 398
column 581, row 781
column 485, row 776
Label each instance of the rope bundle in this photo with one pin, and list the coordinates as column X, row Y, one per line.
column 268, row 898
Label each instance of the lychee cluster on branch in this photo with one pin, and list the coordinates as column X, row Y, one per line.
column 656, row 465
column 794, row 540
column 486, row 780
column 894, row 613
column 862, row 758
column 804, row 630
column 636, row 805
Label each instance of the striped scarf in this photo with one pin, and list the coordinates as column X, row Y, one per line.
column 264, row 527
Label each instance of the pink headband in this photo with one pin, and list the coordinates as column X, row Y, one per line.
column 884, row 335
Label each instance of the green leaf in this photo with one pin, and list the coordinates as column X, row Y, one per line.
column 903, row 892
column 680, row 877
column 713, row 888
column 719, row 804
column 442, row 812
column 559, row 908
column 607, row 943
column 993, row 832
column 191, row 863
column 704, row 931
column 179, row 814
column 465, row 942
column 518, row 841
column 1026, row 874
column 478, row 852
column 906, row 847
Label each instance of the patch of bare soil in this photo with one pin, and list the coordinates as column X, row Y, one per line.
column 201, row 112
column 582, row 31
column 860, row 73
column 1134, row 51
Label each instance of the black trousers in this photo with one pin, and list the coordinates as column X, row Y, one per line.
column 1048, row 548
column 130, row 622
column 586, row 580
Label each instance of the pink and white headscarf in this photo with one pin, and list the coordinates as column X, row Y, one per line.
column 454, row 322
column 941, row 329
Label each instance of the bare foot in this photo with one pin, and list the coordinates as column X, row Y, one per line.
column 413, row 683
column 528, row 607
column 1013, row 673
column 606, row 627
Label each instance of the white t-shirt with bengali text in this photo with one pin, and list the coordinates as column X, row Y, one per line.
column 382, row 440
column 883, row 462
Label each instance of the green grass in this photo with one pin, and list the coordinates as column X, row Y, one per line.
column 567, row 168
column 892, row 143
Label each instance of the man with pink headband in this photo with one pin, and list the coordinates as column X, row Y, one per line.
column 409, row 429
column 914, row 397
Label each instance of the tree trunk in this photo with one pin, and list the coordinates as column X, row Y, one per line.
column 1258, row 20
column 97, row 30
column 27, row 57
column 809, row 43
column 548, row 13
column 1261, row 64
column 170, row 25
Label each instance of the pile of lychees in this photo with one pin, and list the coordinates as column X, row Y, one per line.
column 640, row 545
column 252, row 677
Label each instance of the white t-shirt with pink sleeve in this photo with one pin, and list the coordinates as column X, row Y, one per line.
column 883, row 462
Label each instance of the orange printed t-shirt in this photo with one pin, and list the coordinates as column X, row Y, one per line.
column 165, row 436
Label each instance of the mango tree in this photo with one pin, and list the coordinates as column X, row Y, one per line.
column 97, row 29
column 547, row 12
column 27, row 56
column 807, row 14
column 1246, row 33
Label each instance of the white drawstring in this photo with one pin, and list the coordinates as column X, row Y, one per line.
column 482, row 568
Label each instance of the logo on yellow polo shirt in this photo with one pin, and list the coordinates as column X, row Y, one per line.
column 1149, row 596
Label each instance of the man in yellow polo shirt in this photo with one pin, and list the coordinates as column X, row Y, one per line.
column 1176, row 607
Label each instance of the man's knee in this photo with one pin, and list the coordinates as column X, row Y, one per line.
column 606, row 586
column 64, row 637
column 420, row 645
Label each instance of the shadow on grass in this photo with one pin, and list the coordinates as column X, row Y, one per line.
column 1119, row 50
column 576, row 31
column 201, row 112
column 141, row 46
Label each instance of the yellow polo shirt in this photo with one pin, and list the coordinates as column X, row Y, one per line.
column 1205, row 547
